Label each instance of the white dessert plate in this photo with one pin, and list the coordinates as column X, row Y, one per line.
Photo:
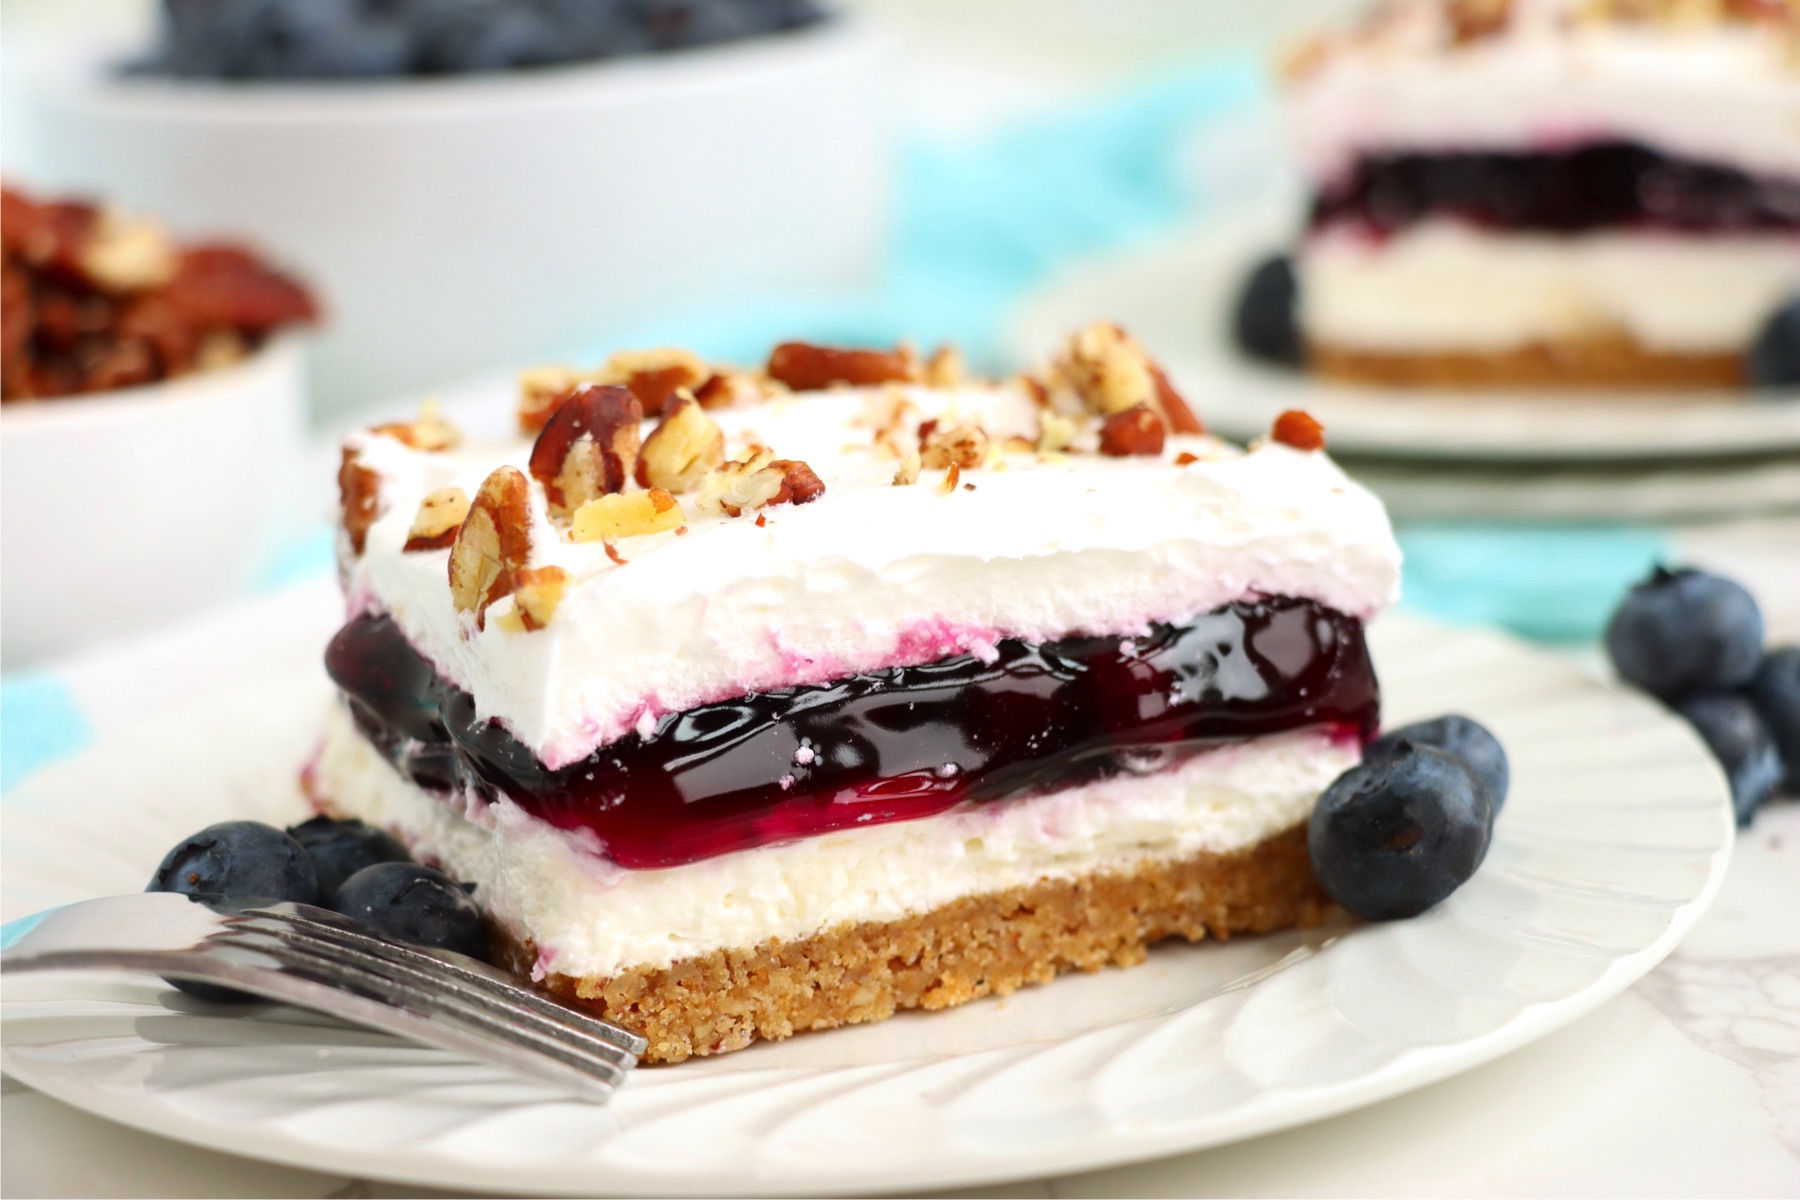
column 1177, row 297
column 1613, row 842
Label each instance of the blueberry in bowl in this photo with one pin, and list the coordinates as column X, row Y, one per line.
column 1774, row 358
column 1399, row 833
column 414, row 903
column 1684, row 632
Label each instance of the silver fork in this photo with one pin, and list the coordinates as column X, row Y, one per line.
column 323, row 961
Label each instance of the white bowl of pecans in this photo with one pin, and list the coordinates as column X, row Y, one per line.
column 151, row 435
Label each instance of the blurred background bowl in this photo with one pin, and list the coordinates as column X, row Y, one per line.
column 124, row 510
column 462, row 224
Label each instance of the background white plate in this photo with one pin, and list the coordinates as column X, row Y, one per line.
column 1614, row 840
column 1177, row 298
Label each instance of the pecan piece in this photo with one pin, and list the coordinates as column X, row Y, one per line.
column 440, row 515
column 726, row 388
column 537, row 591
column 588, row 448
column 1109, row 372
column 945, row 368
column 542, row 391
column 428, row 431
column 493, row 543
column 626, row 514
column 808, row 368
column 682, row 448
column 1298, row 429
column 1137, row 430
column 359, row 499
column 908, row 470
column 961, row 445
column 654, row 376
column 757, row 482
column 128, row 254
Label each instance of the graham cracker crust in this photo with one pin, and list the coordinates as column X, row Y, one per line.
column 1606, row 361
column 976, row 946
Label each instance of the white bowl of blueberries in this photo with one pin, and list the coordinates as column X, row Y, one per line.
column 478, row 183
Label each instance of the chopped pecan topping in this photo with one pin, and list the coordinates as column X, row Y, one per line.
column 542, row 391
column 908, row 470
column 1299, row 430
column 428, row 431
column 951, row 478
column 1056, row 432
column 1137, row 430
column 440, row 515
column 682, row 448
column 1109, row 372
column 493, row 543
column 625, row 514
column 807, row 368
column 727, row 388
column 945, row 368
column 1184, row 459
column 1036, row 388
column 757, row 481
column 1477, row 20
column 960, row 445
column 654, row 376
column 359, row 499
column 537, row 591
column 588, row 448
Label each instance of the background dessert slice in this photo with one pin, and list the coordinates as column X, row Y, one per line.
column 1541, row 192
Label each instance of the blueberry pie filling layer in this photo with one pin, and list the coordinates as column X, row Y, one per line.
column 773, row 701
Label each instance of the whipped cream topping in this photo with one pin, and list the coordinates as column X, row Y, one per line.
column 1444, row 285
column 871, row 574
column 589, row 917
column 1724, row 92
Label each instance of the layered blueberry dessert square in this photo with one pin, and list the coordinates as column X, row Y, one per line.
column 755, row 702
column 1551, row 192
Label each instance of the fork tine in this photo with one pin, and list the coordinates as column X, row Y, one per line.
column 484, row 981
column 557, row 1022
column 593, row 1059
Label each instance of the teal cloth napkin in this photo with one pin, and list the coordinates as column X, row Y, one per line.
column 980, row 221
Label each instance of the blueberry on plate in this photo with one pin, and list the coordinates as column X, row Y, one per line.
column 414, row 903
column 339, row 849
column 1459, row 737
column 1735, row 734
column 1682, row 633
column 1394, row 836
column 236, row 858
column 1264, row 324
column 1776, row 692
column 239, row 858
column 1774, row 358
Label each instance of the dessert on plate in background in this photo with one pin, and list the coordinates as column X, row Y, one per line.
column 1544, row 193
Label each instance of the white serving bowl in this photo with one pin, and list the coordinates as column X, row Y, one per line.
column 460, row 224
column 124, row 510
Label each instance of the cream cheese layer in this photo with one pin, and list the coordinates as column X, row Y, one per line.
column 590, row 917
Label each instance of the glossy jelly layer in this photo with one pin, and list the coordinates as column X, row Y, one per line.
column 883, row 746
column 1605, row 185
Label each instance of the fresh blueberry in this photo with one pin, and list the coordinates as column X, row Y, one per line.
column 1774, row 359
column 1459, row 737
column 1264, row 324
column 1776, row 692
column 499, row 37
column 339, row 849
column 1394, row 836
column 414, row 903
column 1737, row 737
column 1681, row 633
column 236, row 858
column 239, row 858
